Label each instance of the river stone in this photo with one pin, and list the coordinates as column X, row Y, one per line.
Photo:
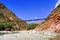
column 25, row 35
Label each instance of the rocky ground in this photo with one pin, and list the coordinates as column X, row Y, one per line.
column 26, row 35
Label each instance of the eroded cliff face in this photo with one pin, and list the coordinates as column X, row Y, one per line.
column 9, row 16
column 52, row 23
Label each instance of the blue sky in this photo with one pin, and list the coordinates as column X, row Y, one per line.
column 30, row 9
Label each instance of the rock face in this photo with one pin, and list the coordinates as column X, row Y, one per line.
column 9, row 16
column 52, row 23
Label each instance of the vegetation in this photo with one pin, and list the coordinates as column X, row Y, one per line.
column 58, row 5
column 4, row 25
column 8, row 20
column 31, row 26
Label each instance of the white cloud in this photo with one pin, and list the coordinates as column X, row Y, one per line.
column 58, row 2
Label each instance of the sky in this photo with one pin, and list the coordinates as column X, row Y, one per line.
column 31, row 9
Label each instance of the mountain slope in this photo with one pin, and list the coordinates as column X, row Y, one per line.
column 9, row 16
column 52, row 23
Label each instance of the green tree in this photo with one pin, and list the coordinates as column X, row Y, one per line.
column 5, row 24
column 31, row 26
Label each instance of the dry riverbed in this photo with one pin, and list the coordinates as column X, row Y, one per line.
column 26, row 35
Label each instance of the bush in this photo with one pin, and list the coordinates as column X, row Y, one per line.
column 15, row 27
column 31, row 26
column 58, row 5
column 2, row 27
column 5, row 24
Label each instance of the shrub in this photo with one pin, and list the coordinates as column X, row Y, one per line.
column 31, row 26
column 4, row 24
column 2, row 27
column 15, row 27
column 58, row 5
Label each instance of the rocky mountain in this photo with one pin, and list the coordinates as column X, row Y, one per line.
column 52, row 23
column 10, row 17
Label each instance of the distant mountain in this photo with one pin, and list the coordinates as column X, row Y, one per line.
column 10, row 17
column 52, row 23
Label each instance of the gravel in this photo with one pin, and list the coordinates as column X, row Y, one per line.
column 25, row 35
